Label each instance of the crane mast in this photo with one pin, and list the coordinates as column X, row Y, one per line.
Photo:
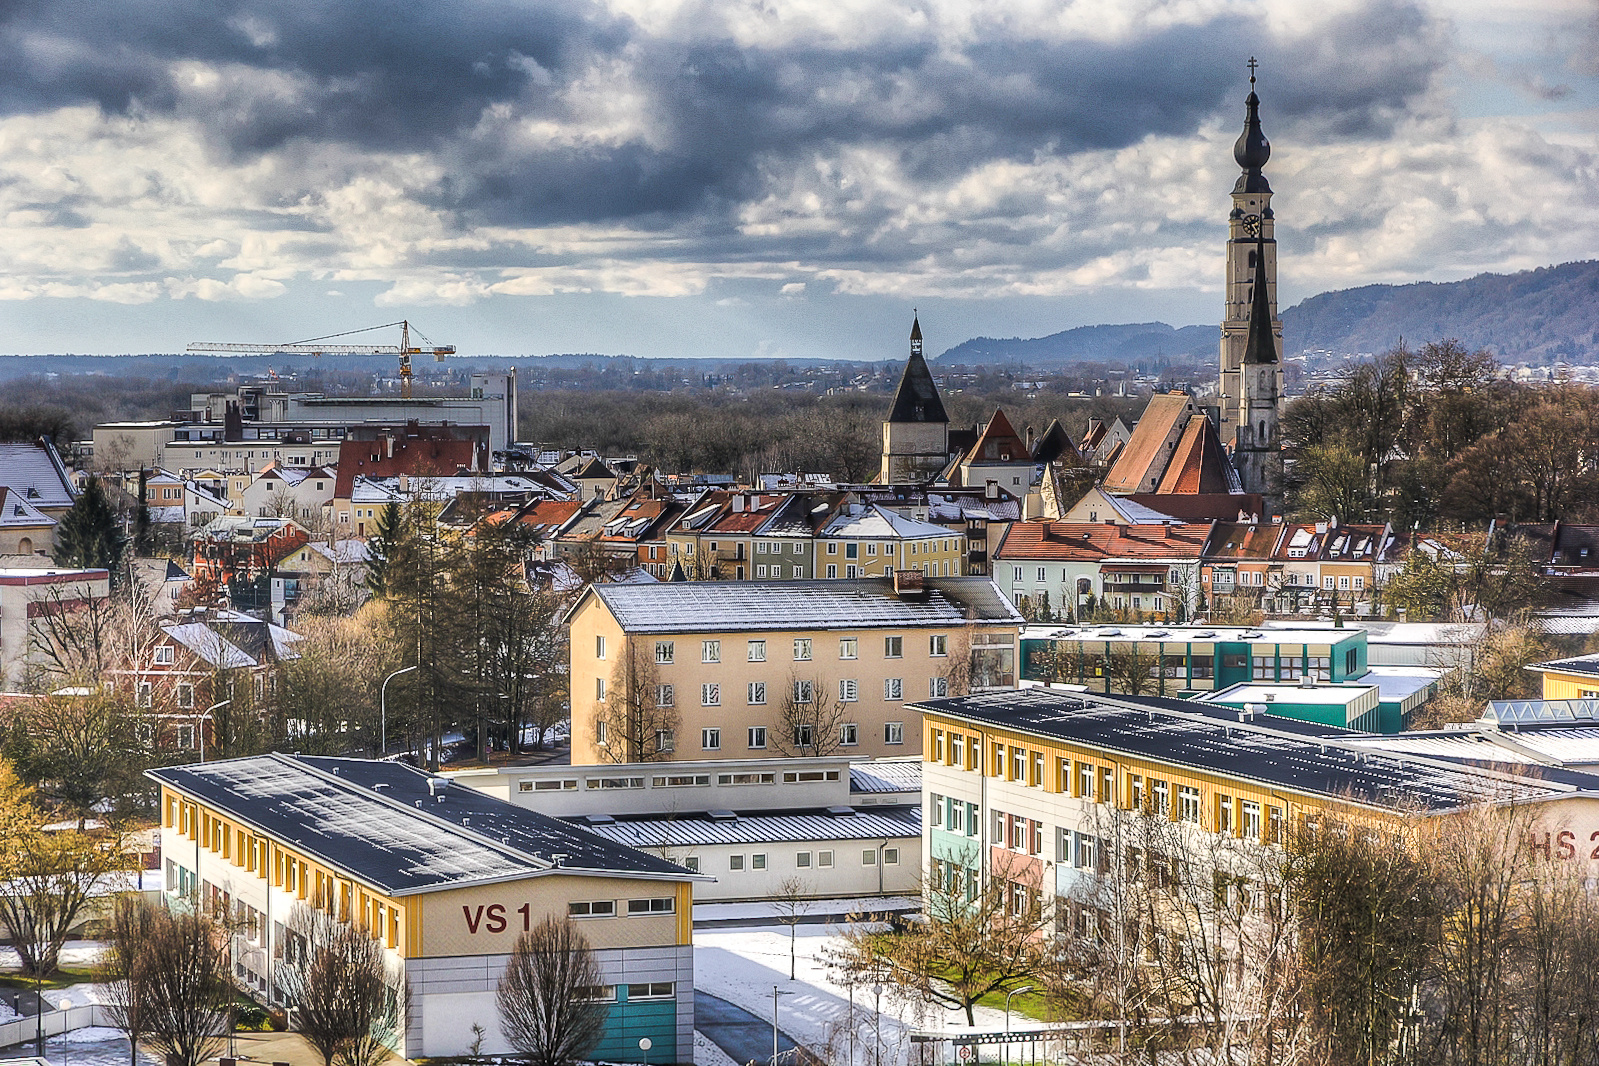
column 405, row 349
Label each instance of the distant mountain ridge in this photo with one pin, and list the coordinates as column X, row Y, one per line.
column 1089, row 344
column 1535, row 316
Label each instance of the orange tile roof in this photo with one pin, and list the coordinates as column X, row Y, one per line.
column 1145, row 453
column 1199, row 465
column 998, row 439
column 1095, row 541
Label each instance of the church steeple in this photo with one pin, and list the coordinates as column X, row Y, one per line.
column 1250, row 331
column 1261, row 346
column 916, row 431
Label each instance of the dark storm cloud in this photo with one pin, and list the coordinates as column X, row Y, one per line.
column 723, row 119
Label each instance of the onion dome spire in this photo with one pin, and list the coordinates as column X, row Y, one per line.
column 1252, row 150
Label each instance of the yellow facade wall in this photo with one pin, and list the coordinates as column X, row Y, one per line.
column 1559, row 686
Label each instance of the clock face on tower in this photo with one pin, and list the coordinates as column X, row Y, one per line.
column 1252, row 225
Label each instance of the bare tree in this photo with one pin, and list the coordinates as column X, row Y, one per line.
column 183, row 985
column 123, row 970
column 1131, row 669
column 789, row 907
column 810, row 717
column 336, row 975
column 636, row 717
column 983, row 933
column 550, row 1002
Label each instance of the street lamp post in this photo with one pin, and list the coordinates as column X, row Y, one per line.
column 1013, row 992
column 877, row 1017
column 383, row 707
column 775, row 993
column 200, row 725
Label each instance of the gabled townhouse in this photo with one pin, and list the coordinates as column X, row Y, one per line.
column 1242, row 561
column 39, row 488
column 24, row 529
column 1000, row 456
column 716, row 537
column 1328, row 566
column 414, row 451
column 237, row 547
column 866, row 540
column 301, row 493
column 1151, row 569
column 181, row 505
column 202, row 658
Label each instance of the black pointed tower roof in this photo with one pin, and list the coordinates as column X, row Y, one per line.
column 916, row 399
column 1261, row 347
column 1252, row 150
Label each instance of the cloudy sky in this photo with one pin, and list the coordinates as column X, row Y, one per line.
column 758, row 177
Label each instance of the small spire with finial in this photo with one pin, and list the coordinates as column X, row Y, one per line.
column 1252, row 150
column 916, row 333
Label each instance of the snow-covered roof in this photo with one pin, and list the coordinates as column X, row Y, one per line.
column 382, row 823
column 15, row 510
column 871, row 522
column 886, row 775
column 37, row 474
column 787, row 827
column 732, row 606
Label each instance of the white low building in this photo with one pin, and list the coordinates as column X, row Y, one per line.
column 822, row 827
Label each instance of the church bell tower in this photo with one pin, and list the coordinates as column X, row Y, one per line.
column 1251, row 266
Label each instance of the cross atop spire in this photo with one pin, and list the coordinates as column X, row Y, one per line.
column 1252, row 66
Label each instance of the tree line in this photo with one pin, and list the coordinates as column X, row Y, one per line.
column 1384, row 940
column 1436, row 436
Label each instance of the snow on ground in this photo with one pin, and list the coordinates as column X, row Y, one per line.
column 6, row 1013
column 708, row 1054
column 741, row 966
column 75, row 955
column 814, row 909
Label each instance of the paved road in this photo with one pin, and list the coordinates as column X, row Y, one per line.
column 744, row 1037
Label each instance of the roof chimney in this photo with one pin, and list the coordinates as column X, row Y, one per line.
column 1046, row 530
column 991, row 490
column 908, row 584
column 738, row 503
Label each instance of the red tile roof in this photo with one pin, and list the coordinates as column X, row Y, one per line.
column 1095, row 541
column 416, row 453
column 1146, row 454
column 998, row 440
column 1199, row 465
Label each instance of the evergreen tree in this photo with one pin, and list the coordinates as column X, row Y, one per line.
column 141, row 518
column 380, row 547
column 89, row 534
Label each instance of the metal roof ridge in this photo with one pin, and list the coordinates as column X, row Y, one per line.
column 1320, row 741
column 155, row 772
column 541, row 866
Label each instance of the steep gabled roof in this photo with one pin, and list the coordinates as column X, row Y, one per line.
column 916, row 399
column 35, row 471
column 997, row 441
column 1146, row 453
column 1055, row 444
column 1199, row 464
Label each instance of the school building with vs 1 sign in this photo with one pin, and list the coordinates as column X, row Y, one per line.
column 445, row 878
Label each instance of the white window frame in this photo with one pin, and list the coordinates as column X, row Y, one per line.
column 711, row 739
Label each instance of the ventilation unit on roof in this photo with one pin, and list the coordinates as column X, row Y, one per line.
column 841, row 811
column 722, row 816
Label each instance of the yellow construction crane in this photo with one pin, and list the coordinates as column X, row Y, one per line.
column 312, row 346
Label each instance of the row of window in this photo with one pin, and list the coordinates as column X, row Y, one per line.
column 636, row 908
column 802, row 860
column 642, row 990
column 804, row 649
column 803, row 692
column 755, row 737
column 1096, row 784
column 1257, row 578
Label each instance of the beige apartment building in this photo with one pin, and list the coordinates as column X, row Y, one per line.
column 697, row 671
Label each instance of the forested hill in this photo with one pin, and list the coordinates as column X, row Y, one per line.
column 1537, row 316
column 1089, row 344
